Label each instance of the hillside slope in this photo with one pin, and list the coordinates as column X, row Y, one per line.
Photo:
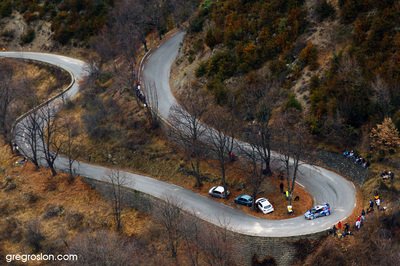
column 337, row 61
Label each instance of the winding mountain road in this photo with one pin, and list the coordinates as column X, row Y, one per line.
column 324, row 185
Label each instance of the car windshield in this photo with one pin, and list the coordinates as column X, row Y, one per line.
column 313, row 210
column 267, row 207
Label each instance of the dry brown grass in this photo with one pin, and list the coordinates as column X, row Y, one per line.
column 39, row 77
column 76, row 198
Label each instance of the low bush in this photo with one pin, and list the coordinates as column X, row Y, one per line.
column 292, row 102
column 8, row 34
column 53, row 211
column 34, row 235
column 28, row 37
column 10, row 230
column 74, row 220
column 30, row 197
column 324, row 10
column 5, row 8
column 201, row 70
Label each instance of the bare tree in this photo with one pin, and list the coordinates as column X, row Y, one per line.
column 191, row 235
column 157, row 15
column 294, row 146
column 6, row 98
column 106, row 248
column 71, row 148
column 169, row 216
column 117, row 46
column 11, row 102
column 258, row 100
column 220, row 140
column 262, row 134
column 49, row 131
column 133, row 15
column 187, row 130
column 253, row 169
column 117, row 181
column 28, row 132
column 217, row 244
column 181, row 10
column 382, row 95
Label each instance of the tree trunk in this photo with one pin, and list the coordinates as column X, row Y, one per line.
column 196, row 171
column 53, row 170
column 223, row 177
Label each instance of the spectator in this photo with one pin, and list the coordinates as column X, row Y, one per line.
column 290, row 209
column 334, row 229
column 376, row 196
column 358, row 223
column 384, row 174
column 281, row 187
column 346, row 229
column 378, row 203
column 356, row 158
column 371, row 206
column 339, row 226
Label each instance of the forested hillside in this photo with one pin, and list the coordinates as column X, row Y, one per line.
column 346, row 86
column 75, row 22
column 362, row 84
column 70, row 19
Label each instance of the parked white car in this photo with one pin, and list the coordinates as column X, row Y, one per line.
column 218, row 192
column 264, row 205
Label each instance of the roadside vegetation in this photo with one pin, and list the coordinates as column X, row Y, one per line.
column 45, row 214
column 23, row 85
column 291, row 76
column 76, row 22
column 319, row 57
column 338, row 74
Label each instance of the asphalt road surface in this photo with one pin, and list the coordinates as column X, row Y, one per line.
column 324, row 185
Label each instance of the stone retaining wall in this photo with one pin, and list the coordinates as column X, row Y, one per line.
column 284, row 250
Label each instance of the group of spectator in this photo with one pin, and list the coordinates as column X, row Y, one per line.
column 356, row 158
column 387, row 175
column 376, row 201
column 360, row 220
column 140, row 95
column 341, row 230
